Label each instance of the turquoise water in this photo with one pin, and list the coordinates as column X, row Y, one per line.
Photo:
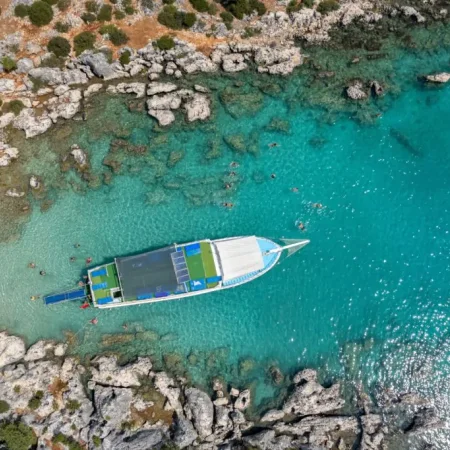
column 366, row 300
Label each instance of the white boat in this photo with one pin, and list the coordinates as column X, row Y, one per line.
column 185, row 270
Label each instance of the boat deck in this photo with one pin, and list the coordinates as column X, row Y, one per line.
column 104, row 279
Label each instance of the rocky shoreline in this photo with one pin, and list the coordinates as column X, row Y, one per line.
column 101, row 404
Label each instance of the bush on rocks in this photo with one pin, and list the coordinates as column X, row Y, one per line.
column 21, row 10
column 165, row 43
column 239, row 8
column 8, row 64
column 105, row 13
column 40, row 13
column 63, row 5
column 200, row 5
column 125, row 58
column 17, row 436
column 91, row 6
column 327, row 6
column 4, row 406
column 116, row 35
column 227, row 17
column 53, row 61
column 59, row 46
column 189, row 19
column 119, row 15
column 36, row 400
column 62, row 27
column 51, row 2
column 83, row 41
column 88, row 17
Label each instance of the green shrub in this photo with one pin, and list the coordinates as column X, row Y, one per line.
column 168, row 2
column 17, row 436
column 119, row 15
column 16, row 387
column 294, row 6
column 189, row 19
column 129, row 10
column 327, row 6
column 36, row 400
column 62, row 27
column 63, row 5
column 88, row 17
column 59, row 46
column 165, row 43
column 69, row 442
column 8, row 64
column 4, row 406
column 212, row 9
column 226, row 16
column 308, row 3
column 250, row 32
column 40, row 13
column 96, row 441
column 15, row 106
column 239, row 8
column 200, row 5
column 118, row 37
column 125, row 58
column 105, row 13
column 73, row 405
column 21, row 10
column 51, row 2
column 91, row 6
column 83, row 41
column 53, row 61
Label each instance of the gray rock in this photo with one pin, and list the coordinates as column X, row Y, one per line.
column 55, row 76
column 233, row 62
column 167, row 101
column 40, row 348
column 12, row 349
column 160, row 88
column 200, row 409
column 113, row 404
column 143, row 440
column 60, row 349
column 131, row 88
column 13, row 192
column 409, row 11
column 7, row 154
column 272, row 415
column 32, row 125
column 79, row 155
column 372, row 432
column 305, row 375
column 277, row 61
column 166, row 385
column 185, row 433
column 243, row 401
column 6, row 119
column 356, row 91
column 163, row 116
column 259, row 440
column 92, row 89
column 312, row 398
column 99, row 65
column 24, row 65
column 7, row 86
column 442, row 77
column 197, row 108
column 34, row 184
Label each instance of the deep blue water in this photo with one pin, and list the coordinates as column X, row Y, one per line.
column 366, row 300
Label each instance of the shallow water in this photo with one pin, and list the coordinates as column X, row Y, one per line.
column 366, row 300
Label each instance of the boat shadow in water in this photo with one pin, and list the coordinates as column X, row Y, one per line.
column 405, row 142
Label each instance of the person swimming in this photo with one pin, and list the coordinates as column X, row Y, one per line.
column 72, row 259
column 273, row 176
column 227, row 186
column 273, row 144
column 227, row 205
column 94, row 321
column 88, row 260
column 301, row 226
column 317, row 205
column 32, row 265
column 34, row 297
column 76, row 245
column 42, row 272
column 294, row 189
column 234, row 164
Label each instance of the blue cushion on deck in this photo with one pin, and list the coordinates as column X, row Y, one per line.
column 214, row 279
column 193, row 249
column 144, row 296
column 162, row 294
column 197, row 285
column 99, row 272
column 104, row 300
column 98, row 286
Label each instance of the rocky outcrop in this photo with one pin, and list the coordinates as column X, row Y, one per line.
column 55, row 76
column 7, row 154
column 12, row 349
column 442, row 77
column 31, row 124
column 356, row 91
column 310, row 397
column 120, row 407
column 100, row 66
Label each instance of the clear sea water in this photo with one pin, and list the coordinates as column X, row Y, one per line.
column 367, row 300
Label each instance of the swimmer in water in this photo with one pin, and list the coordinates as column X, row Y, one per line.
column 273, row 176
column 301, row 226
column 88, row 260
column 232, row 174
column 34, row 297
column 317, row 205
column 32, row 265
column 294, row 189
column 42, row 272
column 76, row 245
column 125, row 326
column 234, row 164
column 228, row 205
column 94, row 321
column 227, row 186
column 273, row 144
column 72, row 259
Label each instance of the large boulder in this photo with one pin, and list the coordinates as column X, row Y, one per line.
column 197, row 108
column 199, row 408
column 7, row 86
column 160, row 88
column 40, row 349
column 12, row 349
column 55, row 76
column 309, row 397
column 185, row 433
column 24, row 65
column 163, row 116
column 100, row 66
column 442, row 77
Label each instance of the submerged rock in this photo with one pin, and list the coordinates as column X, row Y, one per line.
column 163, row 116
column 7, row 154
column 197, row 108
column 356, row 91
column 442, row 77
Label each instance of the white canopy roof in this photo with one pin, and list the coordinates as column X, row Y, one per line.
column 239, row 257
